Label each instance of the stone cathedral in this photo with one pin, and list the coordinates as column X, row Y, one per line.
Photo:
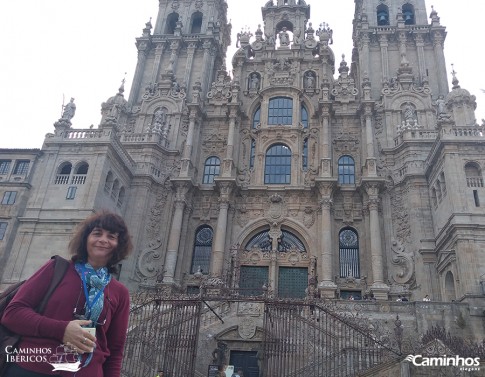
column 295, row 172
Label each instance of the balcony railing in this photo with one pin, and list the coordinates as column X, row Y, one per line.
column 474, row 181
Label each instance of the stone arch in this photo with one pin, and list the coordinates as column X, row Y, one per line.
column 81, row 167
column 254, row 227
column 450, row 291
column 382, row 13
column 196, row 23
column 171, row 23
column 408, row 14
column 64, row 168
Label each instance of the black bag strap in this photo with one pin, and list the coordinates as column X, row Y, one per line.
column 60, row 268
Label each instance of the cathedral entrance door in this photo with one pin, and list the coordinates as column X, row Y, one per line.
column 245, row 360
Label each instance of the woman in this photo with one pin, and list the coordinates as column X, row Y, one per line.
column 82, row 330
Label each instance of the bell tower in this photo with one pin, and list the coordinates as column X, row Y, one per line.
column 186, row 46
column 392, row 38
column 286, row 15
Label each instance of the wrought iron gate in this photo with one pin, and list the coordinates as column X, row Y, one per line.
column 299, row 338
column 312, row 341
column 162, row 335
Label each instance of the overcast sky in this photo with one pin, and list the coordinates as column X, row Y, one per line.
column 58, row 49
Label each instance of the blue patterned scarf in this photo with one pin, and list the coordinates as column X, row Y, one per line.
column 94, row 282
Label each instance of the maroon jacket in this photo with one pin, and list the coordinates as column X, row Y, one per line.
column 43, row 333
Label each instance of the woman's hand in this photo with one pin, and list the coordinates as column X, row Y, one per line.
column 78, row 338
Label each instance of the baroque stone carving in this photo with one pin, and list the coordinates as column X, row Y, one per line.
column 403, row 263
column 400, row 216
column 247, row 328
column 308, row 217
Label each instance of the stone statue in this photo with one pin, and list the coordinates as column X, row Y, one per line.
column 284, row 37
column 409, row 113
column 309, row 80
column 159, row 118
column 254, row 82
column 69, row 110
column 440, row 105
column 219, row 354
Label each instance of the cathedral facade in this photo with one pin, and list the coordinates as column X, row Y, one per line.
column 299, row 173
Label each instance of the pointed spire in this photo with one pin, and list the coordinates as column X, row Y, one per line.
column 455, row 81
column 343, row 66
column 434, row 16
column 121, row 89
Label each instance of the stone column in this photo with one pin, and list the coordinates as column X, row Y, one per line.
column 384, row 43
column 326, row 162
column 191, row 46
column 378, row 287
column 229, row 160
column 187, row 153
column 371, row 160
column 217, row 262
column 156, row 63
column 438, row 39
column 174, row 237
column 326, row 286
column 140, row 67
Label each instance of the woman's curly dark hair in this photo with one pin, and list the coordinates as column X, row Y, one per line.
column 108, row 221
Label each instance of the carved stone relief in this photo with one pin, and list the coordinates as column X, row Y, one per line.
column 402, row 264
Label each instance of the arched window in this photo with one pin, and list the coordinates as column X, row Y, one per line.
column 64, row 172
column 450, row 286
column 211, row 169
column 280, row 111
column 121, row 197
column 108, row 184
column 171, row 23
column 408, row 14
column 382, row 15
column 116, row 189
column 287, row 241
column 257, row 117
column 434, row 198
column 304, row 159
column 79, row 177
column 277, row 169
column 304, row 116
column 349, row 253
column 346, row 170
column 196, row 23
column 473, row 175
column 82, row 168
column 66, row 168
column 252, row 153
column 202, row 250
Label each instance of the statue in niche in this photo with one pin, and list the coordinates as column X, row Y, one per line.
column 254, row 82
column 284, row 37
column 409, row 114
column 309, row 80
column 159, row 118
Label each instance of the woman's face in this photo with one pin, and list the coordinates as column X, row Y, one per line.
column 101, row 244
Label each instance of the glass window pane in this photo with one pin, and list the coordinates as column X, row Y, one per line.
column 211, row 169
column 349, row 253
column 278, row 165
column 202, row 250
column 292, row 282
column 252, row 279
column 280, row 111
column 346, row 170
